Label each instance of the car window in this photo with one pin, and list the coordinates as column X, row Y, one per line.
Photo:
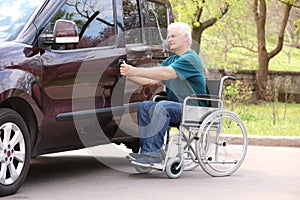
column 95, row 21
column 145, row 22
column 132, row 22
column 157, row 23
column 13, row 17
column 155, row 16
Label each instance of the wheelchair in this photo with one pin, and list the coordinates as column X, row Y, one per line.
column 210, row 137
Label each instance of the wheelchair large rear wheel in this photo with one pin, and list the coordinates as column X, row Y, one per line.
column 222, row 146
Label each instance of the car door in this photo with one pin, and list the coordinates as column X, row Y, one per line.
column 81, row 80
column 145, row 23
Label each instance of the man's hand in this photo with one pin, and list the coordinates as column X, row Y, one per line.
column 126, row 70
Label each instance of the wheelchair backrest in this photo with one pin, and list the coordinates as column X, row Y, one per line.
column 213, row 87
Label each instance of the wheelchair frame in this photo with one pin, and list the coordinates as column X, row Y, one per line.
column 210, row 137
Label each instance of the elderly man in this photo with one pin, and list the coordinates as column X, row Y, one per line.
column 182, row 74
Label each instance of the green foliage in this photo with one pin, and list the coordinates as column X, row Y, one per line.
column 240, row 58
column 232, row 42
column 185, row 10
column 257, row 119
column 237, row 93
column 297, row 25
column 231, row 93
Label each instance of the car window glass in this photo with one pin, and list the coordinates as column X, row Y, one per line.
column 13, row 17
column 155, row 20
column 132, row 22
column 95, row 21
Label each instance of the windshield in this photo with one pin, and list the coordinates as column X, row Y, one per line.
column 13, row 16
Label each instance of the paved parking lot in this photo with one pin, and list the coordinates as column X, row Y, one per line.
column 267, row 173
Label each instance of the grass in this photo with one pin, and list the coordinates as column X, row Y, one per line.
column 258, row 119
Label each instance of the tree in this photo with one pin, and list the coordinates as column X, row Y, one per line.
column 199, row 26
column 260, row 16
column 200, row 14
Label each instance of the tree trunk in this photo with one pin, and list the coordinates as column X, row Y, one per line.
column 196, row 36
column 260, row 10
column 260, row 16
column 198, row 30
column 262, row 76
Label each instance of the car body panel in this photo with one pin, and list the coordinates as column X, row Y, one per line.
column 77, row 96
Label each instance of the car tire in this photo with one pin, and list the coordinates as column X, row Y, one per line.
column 15, row 151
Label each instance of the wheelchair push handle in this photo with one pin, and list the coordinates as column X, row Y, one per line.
column 230, row 78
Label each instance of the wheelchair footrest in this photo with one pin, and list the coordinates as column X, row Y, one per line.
column 158, row 166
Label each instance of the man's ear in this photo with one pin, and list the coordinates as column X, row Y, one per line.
column 186, row 37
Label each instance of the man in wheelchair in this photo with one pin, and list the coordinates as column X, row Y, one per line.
column 182, row 74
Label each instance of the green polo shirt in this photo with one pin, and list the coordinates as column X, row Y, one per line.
column 190, row 80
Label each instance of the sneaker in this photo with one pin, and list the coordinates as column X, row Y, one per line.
column 147, row 159
column 134, row 156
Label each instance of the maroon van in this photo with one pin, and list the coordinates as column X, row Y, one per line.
column 60, row 86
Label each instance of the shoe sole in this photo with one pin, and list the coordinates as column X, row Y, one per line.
column 140, row 164
column 158, row 166
column 130, row 157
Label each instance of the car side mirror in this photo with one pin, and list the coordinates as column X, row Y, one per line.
column 65, row 32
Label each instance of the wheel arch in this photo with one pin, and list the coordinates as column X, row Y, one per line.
column 24, row 109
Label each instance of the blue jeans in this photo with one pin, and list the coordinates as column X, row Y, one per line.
column 153, row 120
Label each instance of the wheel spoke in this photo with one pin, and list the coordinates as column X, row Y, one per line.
column 13, row 172
column 1, row 145
column 14, row 152
column 7, row 132
column 2, row 156
column 19, row 156
column 3, row 173
column 224, row 148
column 17, row 138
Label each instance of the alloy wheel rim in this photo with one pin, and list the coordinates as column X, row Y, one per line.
column 12, row 153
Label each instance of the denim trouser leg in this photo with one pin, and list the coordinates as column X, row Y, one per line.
column 154, row 119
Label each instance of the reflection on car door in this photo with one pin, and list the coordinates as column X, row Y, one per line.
column 81, row 78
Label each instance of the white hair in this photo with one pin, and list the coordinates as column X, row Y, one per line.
column 184, row 28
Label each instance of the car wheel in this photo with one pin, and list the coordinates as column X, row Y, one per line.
column 14, row 151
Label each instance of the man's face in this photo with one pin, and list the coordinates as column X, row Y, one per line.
column 176, row 39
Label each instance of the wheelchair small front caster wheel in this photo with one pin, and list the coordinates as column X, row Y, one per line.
column 173, row 168
column 142, row 170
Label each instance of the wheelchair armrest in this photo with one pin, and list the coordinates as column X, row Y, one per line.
column 212, row 100
column 205, row 96
column 162, row 93
column 160, row 96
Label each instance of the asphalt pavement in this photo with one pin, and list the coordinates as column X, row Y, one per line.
column 268, row 173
